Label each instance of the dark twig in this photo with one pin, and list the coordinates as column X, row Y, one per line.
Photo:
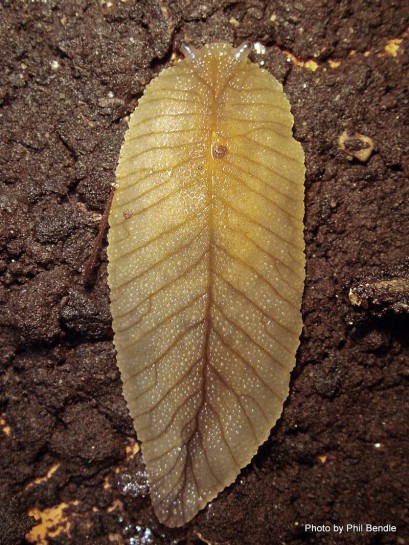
column 90, row 264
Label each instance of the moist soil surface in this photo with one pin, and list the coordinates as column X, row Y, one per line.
column 71, row 73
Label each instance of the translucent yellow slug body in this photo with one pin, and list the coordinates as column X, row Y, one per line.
column 206, row 271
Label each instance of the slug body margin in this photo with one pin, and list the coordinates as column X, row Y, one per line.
column 206, row 271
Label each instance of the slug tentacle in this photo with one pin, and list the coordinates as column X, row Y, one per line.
column 242, row 52
column 189, row 52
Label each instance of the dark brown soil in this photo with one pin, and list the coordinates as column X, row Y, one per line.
column 70, row 74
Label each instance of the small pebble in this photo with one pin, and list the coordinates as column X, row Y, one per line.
column 356, row 146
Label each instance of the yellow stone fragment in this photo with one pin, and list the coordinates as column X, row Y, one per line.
column 334, row 64
column 392, row 47
column 311, row 65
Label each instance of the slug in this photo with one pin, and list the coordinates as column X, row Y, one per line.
column 206, row 271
